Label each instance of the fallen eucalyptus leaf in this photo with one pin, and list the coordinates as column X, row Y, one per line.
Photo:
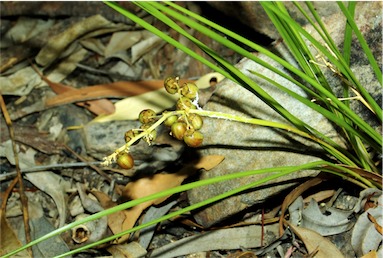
column 55, row 186
column 295, row 211
column 130, row 250
column 336, row 222
column 129, row 108
column 365, row 237
column 9, row 240
column 26, row 28
column 110, row 90
column 97, row 106
column 158, row 100
column 145, row 46
column 126, row 219
column 222, row 239
column 292, row 197
column 367, row 195
column 152, row 213
column 57, row 44
column 93, row 44
column 66, row 66
column 372, row 254
column 40, row 226
column 88, row 203
column 20, row 83
column 314, row 242
column 121, row 41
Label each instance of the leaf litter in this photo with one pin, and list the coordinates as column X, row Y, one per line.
column 99, row 43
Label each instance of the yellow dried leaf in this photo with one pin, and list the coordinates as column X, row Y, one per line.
column 159, row 182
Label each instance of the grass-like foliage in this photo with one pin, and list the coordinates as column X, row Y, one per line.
column 364, row 143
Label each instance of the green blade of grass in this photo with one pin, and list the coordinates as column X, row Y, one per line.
column 166, row 37
column 279, row 170
column 353, row 138
column 297, row 46
column 313, row 166
column 348, row 34
column 362, row 41
column 238, row 75
column 354, row 141
column 341, row 57
column 339, row 62
column 223, row 41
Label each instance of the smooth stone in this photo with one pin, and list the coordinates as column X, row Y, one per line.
column 249, row 147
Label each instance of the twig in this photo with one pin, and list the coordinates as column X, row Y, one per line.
column 23, row 197
column 99, row 171
column 11, row 174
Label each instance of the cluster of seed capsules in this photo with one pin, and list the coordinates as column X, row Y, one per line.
column 184, row 126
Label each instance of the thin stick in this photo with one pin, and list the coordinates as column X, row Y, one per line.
column 99, row 171
column 11, row 174
column 23, row 197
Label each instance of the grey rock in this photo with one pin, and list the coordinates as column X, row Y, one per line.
column 57, row 120
column 252, row 14
column 102, row 139
column 248, row 147
column 368, row 17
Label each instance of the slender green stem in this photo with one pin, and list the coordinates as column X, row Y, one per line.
column 339, row 62
column 219, row 115
column 376, row 142
column 363, row 42
column 182, row 188
column 238, row 76
column 338, row 154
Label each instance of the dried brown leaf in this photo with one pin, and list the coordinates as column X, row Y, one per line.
column 374, row 177
column 9, row 240
column 98, row 106
column 115, row 220
column 293, row 195
column 376, row 224
column 124, row 220
column 57, row 44
column 372, row 254
column 132, row 249
column 315, row 242
column 110, row 90
column 160, row 182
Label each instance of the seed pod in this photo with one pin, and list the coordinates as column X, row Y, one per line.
column 151, row 136
column 171, row 85
column 130, row 135
column 189, row 90
column 178, row 130
column 184, row 104
column 170, row 120
column 125, row 160
column 193, row 138
column 147, row 116
column 196, row 121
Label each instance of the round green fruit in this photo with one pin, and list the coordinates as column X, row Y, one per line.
column 196, row 121
column 125, row 161
column 189, row 90
column 151, row 136
column 147, row 116
column 184, row 104
column 193, row 139
column 171, row 120
column 171, row 85
column 178, row 130
column 130, row 135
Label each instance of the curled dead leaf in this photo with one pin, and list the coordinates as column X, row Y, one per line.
column 124, row 220
column 314, row 242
